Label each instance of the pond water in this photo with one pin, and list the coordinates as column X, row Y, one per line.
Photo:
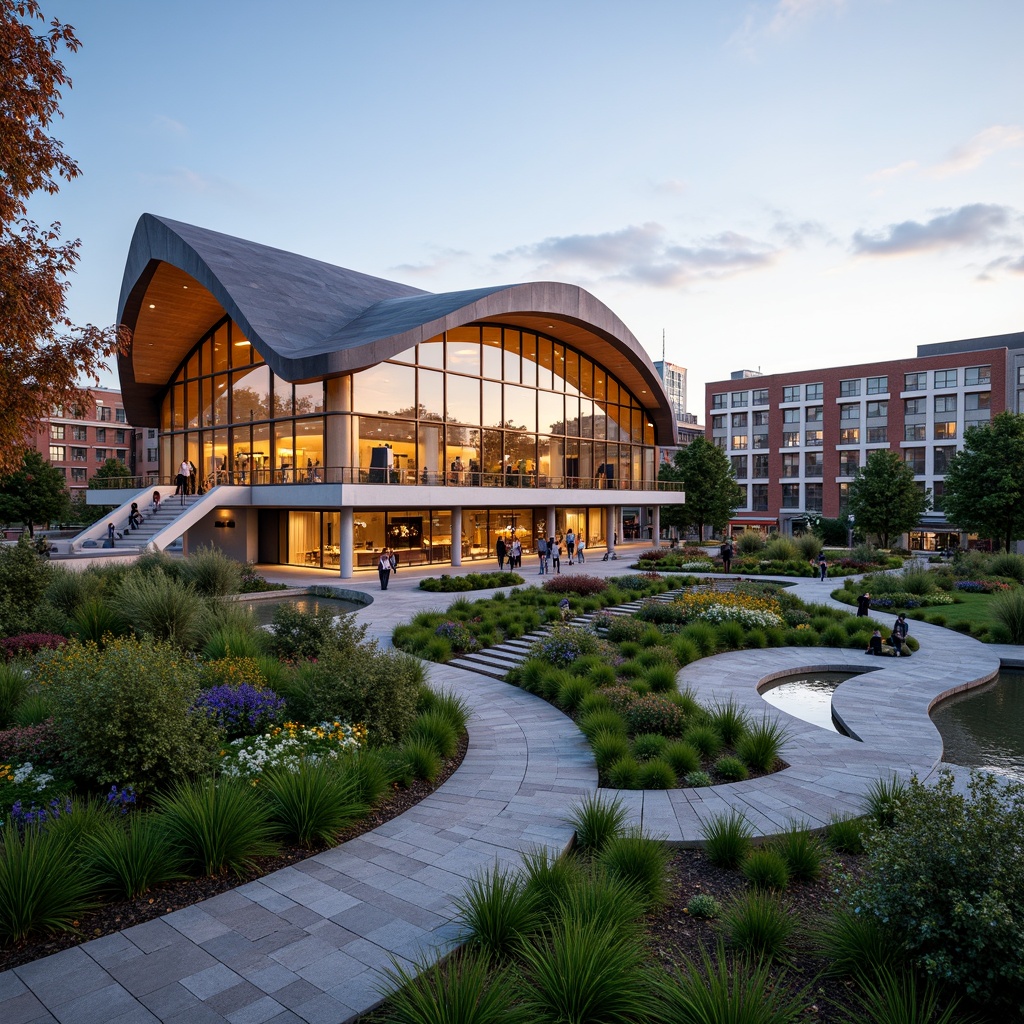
column 263, row 611
column 807, row 696
column 984, row 727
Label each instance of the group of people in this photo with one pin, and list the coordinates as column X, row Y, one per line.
column 893, row 644
column 511, row 550
column 386, row 565
column 187, row 480
column 549, row 552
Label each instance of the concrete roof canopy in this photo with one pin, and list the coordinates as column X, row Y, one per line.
column 310, row 320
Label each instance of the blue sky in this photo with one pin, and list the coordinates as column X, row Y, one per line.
column 774, row 184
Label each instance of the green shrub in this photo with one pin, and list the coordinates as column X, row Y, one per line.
column 703, row 636
column 726, row 839
column 845, row 834
column 435, row 729
column 129, row 858
column 423, row 759
column 809, row 546
column 883, row 800
column 624, row 773
column 802, row 853
column 601, row 720
column 781, row 549
column 948, row 878
column 705, row 738
column 24, row 577
column 298, row 634
column 758, row 923
column 125, row 713
column 647, row 745
column 729, row 719
column 731, row 636
column 211, row 573
column 661, row 678
column 686, row 650
column 572, row 692
column 94, row 619
column 608, row 747
column 697, row 779
column 162, row 609
column 762, row 745
column 1009, row 565
column 704, row 906
column 683, row 757
column 640, row 863
column 749, row 542
column 44, row 885
column 14, row 687
column 764, row 868
column 656, row 773
column 654, row 713
column 216, row 826
column 233, row 641
column 732, row 769
column 314, row 804
column 596, row 822
column 1008, row 611
column 856, row 944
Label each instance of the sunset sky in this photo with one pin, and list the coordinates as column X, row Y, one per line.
column 773, row 184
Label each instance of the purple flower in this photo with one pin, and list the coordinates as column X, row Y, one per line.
column 241, row 710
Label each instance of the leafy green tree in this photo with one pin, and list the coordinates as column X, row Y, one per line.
column 884, row 498
column 114, row 470
column 712, row 495
column 34, row 493
column 985, row 481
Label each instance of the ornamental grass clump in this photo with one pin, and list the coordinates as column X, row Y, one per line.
column 758, row 924
column 497, row 912
column 162, row 609
column 211, row 573
column 597, row 821
column 640, row 863
column 762, row 744
column 765, row 868
column 314, row 804
column 726, row 839
column 129, row 857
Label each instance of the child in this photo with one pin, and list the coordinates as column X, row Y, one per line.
column 156, row 501
column 563, row 608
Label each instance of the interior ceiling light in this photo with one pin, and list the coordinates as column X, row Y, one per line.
column 152, row 306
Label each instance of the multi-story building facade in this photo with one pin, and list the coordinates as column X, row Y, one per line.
column 797, row 439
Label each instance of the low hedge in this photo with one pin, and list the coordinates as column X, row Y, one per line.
column 471, row 581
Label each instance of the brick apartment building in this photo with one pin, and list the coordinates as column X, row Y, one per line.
column 79, row 441
column 796, row 439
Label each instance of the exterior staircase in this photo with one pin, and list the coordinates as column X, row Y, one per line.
column 157, row 529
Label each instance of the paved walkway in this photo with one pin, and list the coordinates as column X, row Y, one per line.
column 310, row 942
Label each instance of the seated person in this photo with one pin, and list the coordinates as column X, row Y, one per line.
column 877, row 647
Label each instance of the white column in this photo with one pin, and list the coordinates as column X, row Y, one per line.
column 611, row 518
column 656, row 525
column 345, row 543
column 338, row 449
column 549, row 514
column 457, row 536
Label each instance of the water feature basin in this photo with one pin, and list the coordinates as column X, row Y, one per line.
column 807, row 696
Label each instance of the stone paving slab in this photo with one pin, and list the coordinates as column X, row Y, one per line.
column 312, row 942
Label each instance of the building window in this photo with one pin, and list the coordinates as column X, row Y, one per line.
column 759, row 497
column 760, row 441
column 791, row 439
column 57, row 453
column 760, row 419
column 844, row 497
column 121, row 455
column 813, row 497
column 79, row 434
column 849, row 435
column 945, row 379
column 739, row 467
column 759, row 397
column 739, row 440
column 977, row 400
column 119, row 437
column 977, row 375
column 791, row 394
column 814, row 464
column 813, row 438
column 915, row 407
column 101, row 434
column 101, row 454
column 849, row 388
column 914, row 431
column 915, row 382
column 850, row 413
column 790, row 466
column 790, row 415
column 79, row 454
column 150, row 434
column 119, row 416
column 813, row 392
column 103, row 413
column 720, row 442
column 914, row 458
column 739, row 399
column 56, row 431
column 945, row 431
column 878, row 435
column 945, row 403
column 760, row 468
column 878, row 385
column 849, row 463
column 718, row 401
column 152, row 454
column 943, row 455
column 938, row 495
column 878, row 410
column 78, row 476
column 718, row 422
column 739, row 419
column 814, row 414
column 790, row 495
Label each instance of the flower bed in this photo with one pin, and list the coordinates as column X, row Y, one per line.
column 288, row 746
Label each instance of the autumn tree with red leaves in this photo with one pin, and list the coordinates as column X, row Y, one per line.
column 44, row 358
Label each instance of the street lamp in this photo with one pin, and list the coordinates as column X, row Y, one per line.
column 849, row 532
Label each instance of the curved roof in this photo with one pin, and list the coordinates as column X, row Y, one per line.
column 310, row 319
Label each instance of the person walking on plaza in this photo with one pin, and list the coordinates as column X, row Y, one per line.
column 517, row 555
column 542, row 554
column 581, row 547
column 726, row 552
column 499, row 550
column 900, row 629
column 822, row 565
column 555, row 548
column 570, row 544
column 863, row 605
column 384, row 568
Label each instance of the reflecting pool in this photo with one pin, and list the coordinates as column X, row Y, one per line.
column 807, row 696
column 263, row 611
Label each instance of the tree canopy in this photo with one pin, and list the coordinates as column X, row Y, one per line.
column 112, row 469
column 43, row 356
column 712, row 494
column 33, row 493
column 884, row 499
column 985, row 481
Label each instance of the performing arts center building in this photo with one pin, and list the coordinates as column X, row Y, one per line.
column 330, row 414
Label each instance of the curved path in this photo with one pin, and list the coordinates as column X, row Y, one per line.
column 311, row 942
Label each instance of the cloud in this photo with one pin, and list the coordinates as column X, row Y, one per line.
column 169, row 125
column 1013, row 264
column 893, row 172
column 978, row 224
column 973, row 153
column 440, row 261
column 796, row 234
column 670, row 186
column 644, row 255
column 779, row 19
column 184, row 179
